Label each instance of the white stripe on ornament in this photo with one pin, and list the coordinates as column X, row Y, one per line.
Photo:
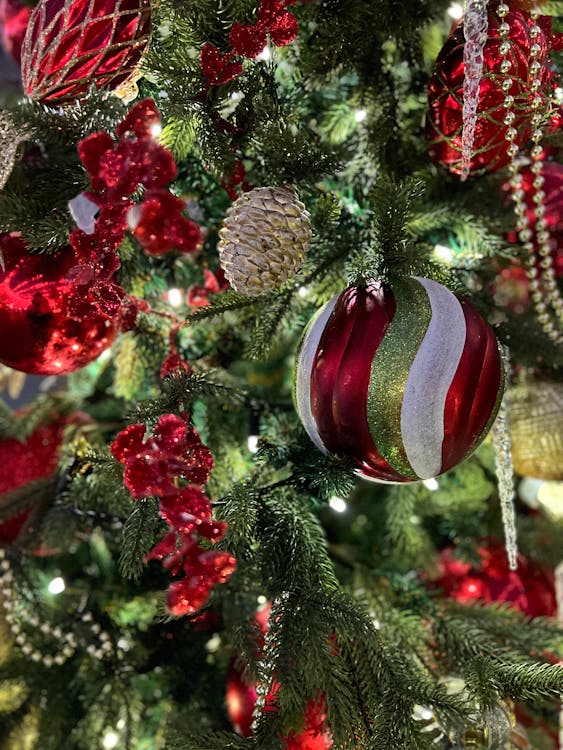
column 429, row 380
column 305, row 368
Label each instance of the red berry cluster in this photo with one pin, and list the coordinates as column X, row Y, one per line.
column 214, row 283
column 153, row 467
column 118, row 168
column 249, row 41
column 529, row 589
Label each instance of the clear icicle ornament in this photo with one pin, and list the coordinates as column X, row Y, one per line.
column 475, row 29
column 505, row 475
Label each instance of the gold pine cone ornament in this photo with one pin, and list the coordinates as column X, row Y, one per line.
column 264, row 238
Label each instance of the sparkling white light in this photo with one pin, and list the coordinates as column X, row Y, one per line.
column 56, row 586
column 253, row 443
column 431, row 484
column 455, row 11
column 442, row 252
column 111, row 740
column 174, row 297
column 337, row 504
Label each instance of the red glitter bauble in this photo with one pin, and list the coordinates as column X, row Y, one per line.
column 36, row 333
column 405, row 380
column 24, row 462
column 444, row 122
column 72, row 44
column 529, row 589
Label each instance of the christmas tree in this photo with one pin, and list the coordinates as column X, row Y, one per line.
column 281, row 280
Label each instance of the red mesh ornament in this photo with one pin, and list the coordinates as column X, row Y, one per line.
column 37, row 333
column 444, row 121
column 72, row 44
column 529, row 589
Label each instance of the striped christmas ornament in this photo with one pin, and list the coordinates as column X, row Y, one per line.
column 407, row 381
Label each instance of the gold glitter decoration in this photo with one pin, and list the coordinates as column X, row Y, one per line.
column 10, row 140
column 536, row 429
column 129, row 90
column 264, row 238
column 390, row 369
column 12, row 381
column 5, row 634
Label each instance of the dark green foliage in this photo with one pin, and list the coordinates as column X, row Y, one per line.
column 138, row 538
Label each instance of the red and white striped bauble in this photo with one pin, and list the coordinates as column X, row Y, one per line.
column 405, row 380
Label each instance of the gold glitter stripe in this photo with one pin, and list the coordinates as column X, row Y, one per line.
column 389, row 371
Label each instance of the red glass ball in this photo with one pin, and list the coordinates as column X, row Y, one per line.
column 405, row 380
column 529, row 589
column 72, row 44
column 444, row 122
column 36, row 334
column 24, row 462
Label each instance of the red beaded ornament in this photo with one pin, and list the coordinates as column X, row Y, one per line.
column 72, row 44
column 444, row 122
column 406, row 381
column 39, row 332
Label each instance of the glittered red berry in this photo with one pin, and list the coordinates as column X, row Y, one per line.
column 217, row 67
column 445, row 94
column 404, row 380
column 248, row 41
column 71, row 45
column 37, row 333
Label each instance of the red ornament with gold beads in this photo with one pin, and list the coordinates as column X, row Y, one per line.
column 71, row 45
column 502, row 126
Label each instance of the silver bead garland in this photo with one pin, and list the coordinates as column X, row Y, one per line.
column 542, row 283
column 66, row 643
